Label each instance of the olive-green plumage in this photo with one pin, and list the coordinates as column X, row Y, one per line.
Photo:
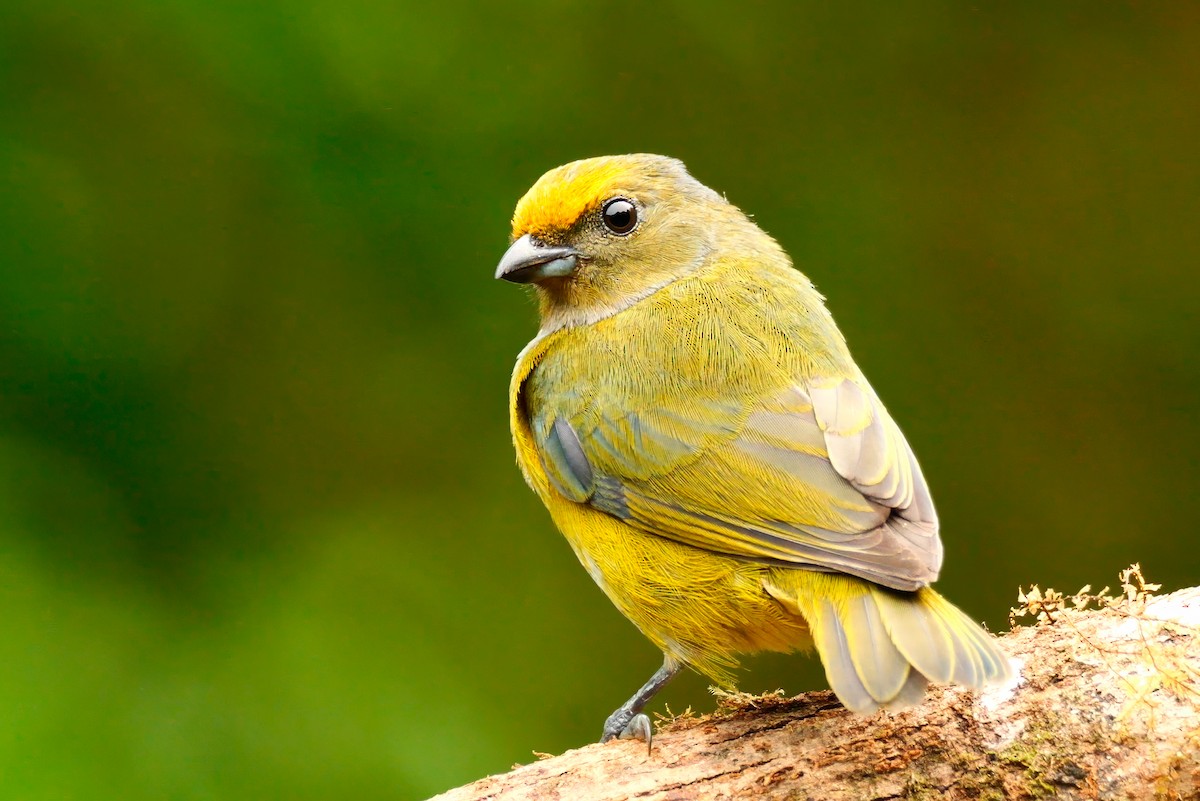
column 691, row 417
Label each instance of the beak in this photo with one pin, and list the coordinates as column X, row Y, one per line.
column 527, row 261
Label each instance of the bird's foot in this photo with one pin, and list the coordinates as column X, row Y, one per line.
column 628, row 721
column 625, row 724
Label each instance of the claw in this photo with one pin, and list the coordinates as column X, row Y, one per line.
column 639, row 729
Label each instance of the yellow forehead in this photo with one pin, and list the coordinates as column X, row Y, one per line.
column 566, row 193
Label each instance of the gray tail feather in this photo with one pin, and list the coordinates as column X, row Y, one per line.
column 881, row 648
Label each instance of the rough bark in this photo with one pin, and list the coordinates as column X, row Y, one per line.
column 1106, row 706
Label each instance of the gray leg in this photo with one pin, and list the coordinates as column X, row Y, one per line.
column 628, row 720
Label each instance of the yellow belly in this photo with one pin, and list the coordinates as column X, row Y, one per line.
column 698, row 607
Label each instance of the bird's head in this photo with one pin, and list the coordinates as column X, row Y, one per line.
column 596, row 236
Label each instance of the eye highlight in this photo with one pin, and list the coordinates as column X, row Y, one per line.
column 620, row 216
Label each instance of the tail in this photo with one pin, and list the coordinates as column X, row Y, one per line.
column 881, row 647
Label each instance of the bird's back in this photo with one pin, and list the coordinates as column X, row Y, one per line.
column 682, row 345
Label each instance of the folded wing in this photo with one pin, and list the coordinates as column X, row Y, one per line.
column 817, row 476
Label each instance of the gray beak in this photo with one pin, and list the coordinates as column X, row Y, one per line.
column 526, row 262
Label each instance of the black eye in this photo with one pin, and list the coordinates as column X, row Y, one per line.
column 620, row 216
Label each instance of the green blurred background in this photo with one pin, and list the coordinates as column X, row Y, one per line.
column 261, row 533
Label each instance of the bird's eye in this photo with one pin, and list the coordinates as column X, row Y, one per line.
column 620, row 216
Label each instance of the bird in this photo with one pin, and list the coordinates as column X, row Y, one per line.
column 691, row 417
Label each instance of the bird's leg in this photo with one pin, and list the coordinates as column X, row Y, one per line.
column 628, row 721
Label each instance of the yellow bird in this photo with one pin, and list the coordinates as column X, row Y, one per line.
column 692, row 419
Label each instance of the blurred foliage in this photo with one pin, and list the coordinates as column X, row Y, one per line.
column 261, row 534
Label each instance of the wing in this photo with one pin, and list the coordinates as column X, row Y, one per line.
column 818, row 476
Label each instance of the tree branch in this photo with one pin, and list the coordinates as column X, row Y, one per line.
column 1107, row 706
